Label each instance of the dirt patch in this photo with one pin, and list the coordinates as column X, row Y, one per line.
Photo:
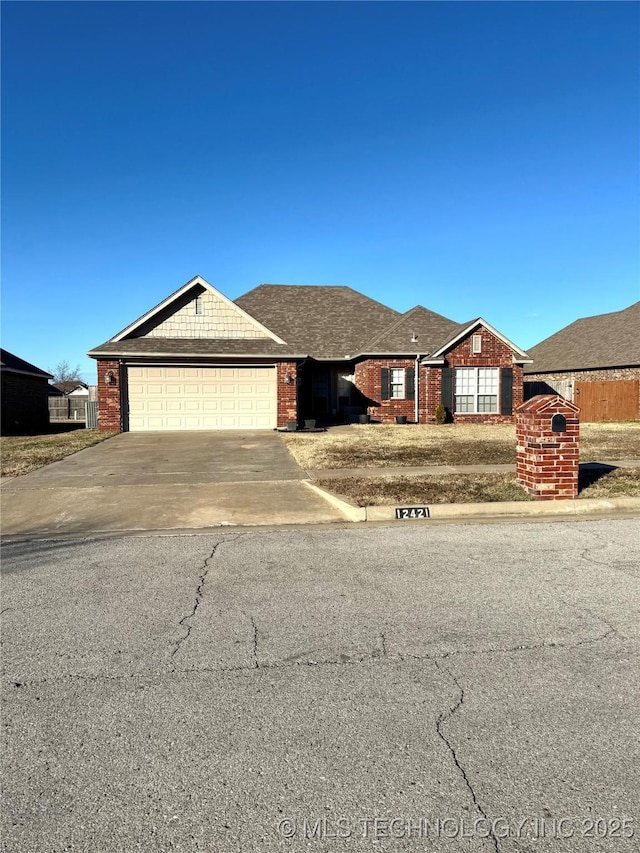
column 23, row 453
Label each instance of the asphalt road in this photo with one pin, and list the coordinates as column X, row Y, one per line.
column 410, row 687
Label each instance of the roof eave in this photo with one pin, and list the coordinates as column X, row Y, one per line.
column 121, row 354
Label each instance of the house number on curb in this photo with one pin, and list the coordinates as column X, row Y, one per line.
column 412, row 512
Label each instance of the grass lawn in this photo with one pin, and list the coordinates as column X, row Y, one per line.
column 469, row 488
column 20, row 454
column 438, row 489
column 388, row 445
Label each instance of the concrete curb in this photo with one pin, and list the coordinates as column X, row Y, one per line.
column 505, row 509
column 353, row 513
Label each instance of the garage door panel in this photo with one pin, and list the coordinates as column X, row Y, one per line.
column 174, row 398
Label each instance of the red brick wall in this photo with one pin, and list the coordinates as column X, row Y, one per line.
column 287, row 393
column 614, row 373
column 494, row 353
column 547, row 463
column 368, row 381
column 109, row 396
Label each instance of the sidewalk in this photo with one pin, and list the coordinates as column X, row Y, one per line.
column 437, row 470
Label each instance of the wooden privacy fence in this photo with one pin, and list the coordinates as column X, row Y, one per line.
column 67, row 408
column 608, row 401
column 563, row 387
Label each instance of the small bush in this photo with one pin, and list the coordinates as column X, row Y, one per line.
column 440, row 414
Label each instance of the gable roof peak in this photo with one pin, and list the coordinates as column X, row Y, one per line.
column 196, row 281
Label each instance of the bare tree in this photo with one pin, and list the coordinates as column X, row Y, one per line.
column 62, row 372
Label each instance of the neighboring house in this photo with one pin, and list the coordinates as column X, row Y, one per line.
column 288, row 352
column 594, row 362
column 24, row 395
column 72, row 387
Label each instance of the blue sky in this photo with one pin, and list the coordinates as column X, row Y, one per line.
column 477, row 158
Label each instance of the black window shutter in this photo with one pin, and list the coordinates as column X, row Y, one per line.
column 385, row 391
column 506, row 391
column 410, row 384
column 447, row 389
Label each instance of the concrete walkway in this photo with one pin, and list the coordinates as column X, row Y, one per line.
column 438, row 470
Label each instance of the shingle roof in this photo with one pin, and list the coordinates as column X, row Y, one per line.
column 325, row 321
column 432, row 331
column 606, row 340
column 69, row 385
column 195, row 347
column 11, row 362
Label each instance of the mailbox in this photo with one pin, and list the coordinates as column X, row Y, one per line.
column 547, row 453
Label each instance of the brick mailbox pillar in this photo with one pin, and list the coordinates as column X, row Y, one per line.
column 547, row 439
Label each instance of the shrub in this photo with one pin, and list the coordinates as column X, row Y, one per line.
column 440, row 414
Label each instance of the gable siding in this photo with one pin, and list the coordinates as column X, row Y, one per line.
column 218, row 320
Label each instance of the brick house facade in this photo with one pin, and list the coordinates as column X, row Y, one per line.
column 25, row 395
column 494, row 354
column 285, row 353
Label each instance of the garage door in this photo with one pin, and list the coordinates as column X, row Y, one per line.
column 164, row 398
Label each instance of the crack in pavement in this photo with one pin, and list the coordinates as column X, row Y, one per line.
column 373, row 657
column 185, row 622
column 442, row 718
column 585, row 555
column 254, row 650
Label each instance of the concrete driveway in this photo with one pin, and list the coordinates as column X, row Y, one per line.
column 168, row 480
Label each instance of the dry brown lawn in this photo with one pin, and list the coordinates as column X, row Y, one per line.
column 388, row 445
column 469, row 488
column 621, row 482
column 20, row 454
column 430, row 489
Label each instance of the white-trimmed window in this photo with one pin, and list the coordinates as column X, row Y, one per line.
column 396, row 383
column 198, row 304
column 476, row 344
column 476, row 390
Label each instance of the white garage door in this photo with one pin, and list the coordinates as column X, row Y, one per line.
column 202, row 398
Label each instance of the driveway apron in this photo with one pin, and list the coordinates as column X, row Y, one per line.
column 164, row 480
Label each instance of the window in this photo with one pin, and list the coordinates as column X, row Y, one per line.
column 476, row 344
column 198, row 304
column 397, row 383
column 476, row 390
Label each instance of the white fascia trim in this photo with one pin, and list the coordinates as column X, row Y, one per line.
column 186, row 356
column 522, row 360
column 432, row 361
column 480, row 322
column 201, row 281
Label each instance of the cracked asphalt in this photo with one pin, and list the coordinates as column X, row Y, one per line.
column 410, row 687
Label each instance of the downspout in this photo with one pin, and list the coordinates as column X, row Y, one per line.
column 124, row 396
column 416, row 389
